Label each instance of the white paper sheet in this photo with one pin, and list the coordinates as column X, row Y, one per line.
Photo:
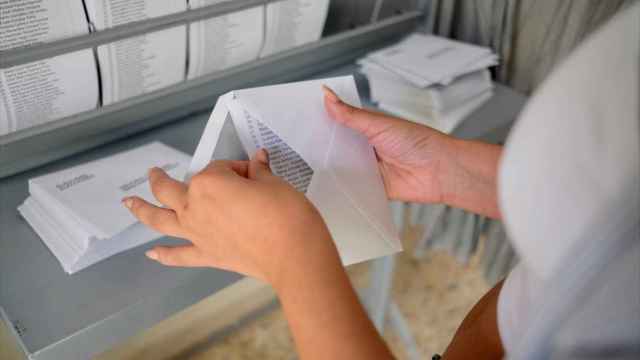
column 445, row 121
column 25, row 23
column 292, row 23
column 93, row 191
column 386, row 86
column 57, row 238
column 346, row 186
column 426, row 59
column 144, row 63
column 225, row 41
column 283, row 160
column 46, row 90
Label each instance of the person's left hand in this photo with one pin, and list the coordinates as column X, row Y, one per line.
column 238, row 216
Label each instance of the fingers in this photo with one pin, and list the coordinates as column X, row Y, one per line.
column 169, row 192
column 192, row 256
column 239, row 167
column 183, row 255
column 369, row 123
column 162, row 220
column 259, row 166
column 232, row 167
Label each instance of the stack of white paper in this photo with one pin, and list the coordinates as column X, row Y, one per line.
column 292, row 23
column 78, row 211
column 224, row 41
column 334, row 166
column 236, row 38
column 429, row 79
column 45, row 90
column 141, row 64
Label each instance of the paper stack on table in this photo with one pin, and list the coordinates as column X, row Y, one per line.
column 78, row 214
column 430, row 79
column 333, row 165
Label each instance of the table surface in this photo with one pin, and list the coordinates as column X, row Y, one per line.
column 60, row 316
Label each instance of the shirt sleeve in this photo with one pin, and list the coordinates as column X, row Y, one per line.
column 515, row 305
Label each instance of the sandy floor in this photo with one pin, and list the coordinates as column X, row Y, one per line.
column 433, row 293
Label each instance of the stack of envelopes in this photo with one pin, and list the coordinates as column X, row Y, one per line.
column 78, row 214
column 430, row 79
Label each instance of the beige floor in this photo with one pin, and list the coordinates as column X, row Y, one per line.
column 434, row 294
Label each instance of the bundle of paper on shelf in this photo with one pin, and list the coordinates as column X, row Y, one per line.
column 77, row 211
column 430, row 79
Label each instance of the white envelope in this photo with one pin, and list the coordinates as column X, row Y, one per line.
column 346, row 186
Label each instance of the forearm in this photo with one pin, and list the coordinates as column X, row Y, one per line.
column 323, row 311
column 470, row 179
column 478, row 336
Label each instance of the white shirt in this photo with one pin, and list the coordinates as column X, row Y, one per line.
column 570, row 179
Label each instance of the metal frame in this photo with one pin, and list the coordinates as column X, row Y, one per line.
column 37, row 52
column 31, row 147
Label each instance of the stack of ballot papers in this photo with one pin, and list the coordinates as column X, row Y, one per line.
column 430, row 79
column 78, row 212
column 333, row 165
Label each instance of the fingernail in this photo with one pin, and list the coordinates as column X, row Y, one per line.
column 152, row 254
column 128, row 202
column 330, row 95
column 262, row 156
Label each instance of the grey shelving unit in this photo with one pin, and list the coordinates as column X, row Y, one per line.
column 53, row 315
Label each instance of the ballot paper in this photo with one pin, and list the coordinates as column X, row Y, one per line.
column 292, row 23
column 78, row 212
column 141, row 64
column 425, row 60
column 239, row 37
column 222, row 42
column 333, row 165
column 45, row 90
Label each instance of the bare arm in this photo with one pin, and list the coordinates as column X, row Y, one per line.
column 324, row 313
column 478, row 336
column 471, row 183
column 238, row 216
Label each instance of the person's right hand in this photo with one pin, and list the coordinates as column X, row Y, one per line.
column 413, row 159
column 238, row 216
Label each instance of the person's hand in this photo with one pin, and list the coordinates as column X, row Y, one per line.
column 412, row 158
column 238, row 216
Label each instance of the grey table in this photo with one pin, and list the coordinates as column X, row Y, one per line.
column 57, row 316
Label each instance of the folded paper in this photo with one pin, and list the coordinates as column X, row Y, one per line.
column 334, row 165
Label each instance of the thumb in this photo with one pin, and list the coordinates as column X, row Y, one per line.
column 259, row 165
column 369, row 123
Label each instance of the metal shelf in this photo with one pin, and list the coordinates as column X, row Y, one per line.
column 47, row 50
column 35, row 146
